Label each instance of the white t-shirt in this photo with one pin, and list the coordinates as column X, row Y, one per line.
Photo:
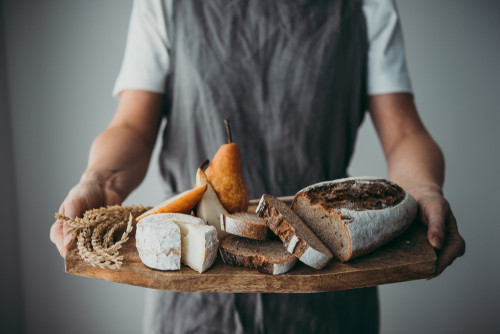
column 146, row 62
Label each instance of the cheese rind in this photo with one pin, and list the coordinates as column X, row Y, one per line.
column 158, row 242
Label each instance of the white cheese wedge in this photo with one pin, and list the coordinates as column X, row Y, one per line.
column 199, row 243
column 158, row 241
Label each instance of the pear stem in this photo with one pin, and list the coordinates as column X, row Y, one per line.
column 203, row 164
column 228, row 129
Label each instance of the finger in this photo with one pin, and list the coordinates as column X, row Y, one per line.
column 73, row 207
column 454, row 247
column 436, row 214
column 68, row 239
column 65, row 229
column 56, row 236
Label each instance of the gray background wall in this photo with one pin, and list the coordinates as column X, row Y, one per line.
column 62, row 59
column 10, row 279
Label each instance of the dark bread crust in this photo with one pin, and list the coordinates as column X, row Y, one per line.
column 248, row 261
column 232, row 256
column 356, row 195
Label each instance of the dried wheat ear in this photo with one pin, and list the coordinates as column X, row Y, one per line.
column 97, row 231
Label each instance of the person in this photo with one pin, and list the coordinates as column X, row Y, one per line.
column 295, row 79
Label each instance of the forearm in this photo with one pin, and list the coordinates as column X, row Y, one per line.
column 118, row 160
column 414, row 160
column 417, row 164
column 119, row 157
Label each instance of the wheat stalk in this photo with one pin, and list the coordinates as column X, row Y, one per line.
column 95, row 233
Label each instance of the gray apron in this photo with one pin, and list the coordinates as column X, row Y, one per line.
column 290, row 76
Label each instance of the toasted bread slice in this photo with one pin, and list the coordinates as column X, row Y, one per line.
column 267, row 256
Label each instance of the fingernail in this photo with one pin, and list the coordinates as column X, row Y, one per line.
column 67, row 241
column 437, row 242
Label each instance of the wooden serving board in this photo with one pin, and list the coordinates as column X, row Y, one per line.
column 409, row 257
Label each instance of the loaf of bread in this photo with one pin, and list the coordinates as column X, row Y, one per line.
column 245, row 224
column 296, row 236
column 354, row 216
column 267, row 256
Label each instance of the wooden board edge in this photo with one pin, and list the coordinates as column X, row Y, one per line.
column 262, row 283
column 334, row 282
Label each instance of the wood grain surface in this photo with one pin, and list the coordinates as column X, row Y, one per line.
column 410, row 257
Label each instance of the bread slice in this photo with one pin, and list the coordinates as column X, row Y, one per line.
column 354, row 216
column 245, row 224
column 297, row 237
column 267, row 256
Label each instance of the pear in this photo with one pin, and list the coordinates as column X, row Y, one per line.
column 181, row 203
column 209, row 208
column 225, row 176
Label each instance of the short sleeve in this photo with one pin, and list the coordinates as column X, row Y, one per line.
column 146, row 60
column 387, row 69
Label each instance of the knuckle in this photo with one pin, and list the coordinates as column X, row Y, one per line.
column 74, row 201
column 73, row 205
column 437, row 212
column 440, row 206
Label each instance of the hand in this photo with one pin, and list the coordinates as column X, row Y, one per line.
column 90, row 193
column 442, row 233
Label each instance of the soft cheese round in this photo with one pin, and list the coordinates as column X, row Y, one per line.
column 158, row 242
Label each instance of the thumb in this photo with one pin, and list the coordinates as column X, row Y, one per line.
column 435, row 213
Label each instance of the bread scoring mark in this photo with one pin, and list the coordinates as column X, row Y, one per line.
column 357, row 195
